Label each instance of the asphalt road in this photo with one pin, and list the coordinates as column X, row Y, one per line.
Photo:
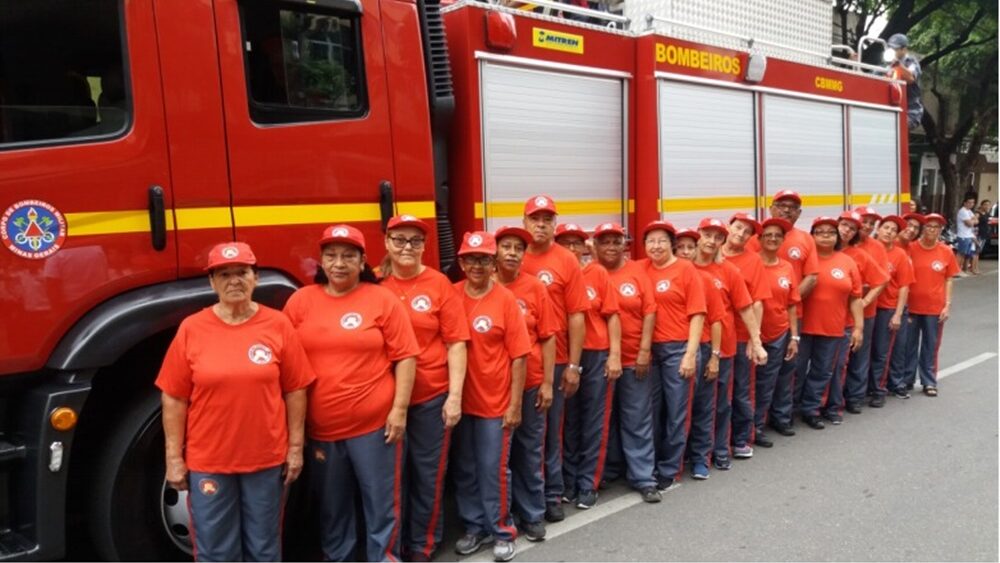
column 914, row 481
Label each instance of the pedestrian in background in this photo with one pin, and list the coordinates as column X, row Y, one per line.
column 965, row 231
column 982, row 233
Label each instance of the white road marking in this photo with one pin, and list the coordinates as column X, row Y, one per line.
column 966, row 364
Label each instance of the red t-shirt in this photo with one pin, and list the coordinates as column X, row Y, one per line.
column 931, row 268
column 900, row 275
column 751, row 268
column 716, row 310
column 871, row 275
column 837, row 282
column 560, row 271
column 603, row 303
column 799, row 249
column 234, row 378
column 352, row 341
column 635, row 301
column 535, row 305
column 679, row 295
column 732, row 289
column 876, row 250
column 784, row 294
column 499, row 335
column 437, row 316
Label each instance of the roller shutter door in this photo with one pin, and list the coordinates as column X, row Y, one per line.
column 874, row 159
column 555, row 133
column 708, row 163
column 804, row 151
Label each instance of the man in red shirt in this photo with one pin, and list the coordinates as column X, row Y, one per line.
column 560, row 271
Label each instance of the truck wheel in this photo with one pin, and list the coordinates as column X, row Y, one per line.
column 133, row 515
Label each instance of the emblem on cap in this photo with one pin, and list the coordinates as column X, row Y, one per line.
column 230, row 252
column 350, row 321
column 407, row 218
column 260, row 354
column 32, row 229
column 482, row 324
column 606, row 227
column 572, row 227
column 475, row 241
column 837, row 273
column 339, row 232
column 542, row 201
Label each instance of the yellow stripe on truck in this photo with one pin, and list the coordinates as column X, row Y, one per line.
column 110, row 222
column 508, row 209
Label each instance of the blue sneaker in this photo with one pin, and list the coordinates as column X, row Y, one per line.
column 699, row 471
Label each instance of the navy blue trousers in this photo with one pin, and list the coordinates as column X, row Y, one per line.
column 927, row 333
column 554, row 440
column 859, row 365
column 744, row 387
column 526, row 452
column 884, row 345
column 833, row 399
column 701, row 437
column 482, row 477
column 819, row 353
column 768, row 377
column 587, row 422
column 672, row 394
column 427, row 443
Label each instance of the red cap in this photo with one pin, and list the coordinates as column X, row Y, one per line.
column 407, row 221
column 689, row 233
column 659, row 225
column 513, row 232
column 935, row 218
column 571, row 229
column 478, row 242
column 343, row 233
column 538, row 203
column 785, row 225
column 711, row 223
column 824, row 220
column 788, row 194
column 748, row 220
column 230, row 253
column 916, row 217
column 852, row 216
column 609, row 228
column 899, row 221
column 865, row 211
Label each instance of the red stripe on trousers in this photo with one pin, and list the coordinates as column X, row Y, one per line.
column 729, row 399
column 833, row 368
column 937, row 349
column 715, row 401
column 753, row 400
column 396, row 505
column 843, row 386
column 888, row 360
column 504, row 509
column 605, row 430
column 438, row 488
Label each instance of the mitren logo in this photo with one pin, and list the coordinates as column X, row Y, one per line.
column 351, row 321
column 482, row 324
column 230, row 252
column 546, row 277
column 937, row 266
column 557, row 40
column 260, row 354
column 421, row 303
column 784, row 282
column 663, row 286
column 591, row 293
column 837, row 273
column 795, row 253
column 627, row 289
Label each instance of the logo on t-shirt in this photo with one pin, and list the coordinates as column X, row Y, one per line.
column 795, row 253
column 475, row 241
column 546, row 277
column 717, row 282
column 350, row 321
column 208, row 487
column 259, row 354
column 627, row 289
column 421, row 303
column 837, row 273
column 784, row 282
column 230, row 252
column 591, row 293
column 482, row 324
column 523, row 306
column 892, row 267
column 937, row 266
column 663, row 286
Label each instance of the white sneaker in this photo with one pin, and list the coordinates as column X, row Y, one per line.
column 503, row 550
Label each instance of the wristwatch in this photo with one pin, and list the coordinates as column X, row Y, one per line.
column 717, row 353
column 796, row 338
column 574, row 367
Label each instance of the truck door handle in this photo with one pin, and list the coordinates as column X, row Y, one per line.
column 157, row 218
column 386, row 202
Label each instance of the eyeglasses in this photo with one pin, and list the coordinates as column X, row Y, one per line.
column 400, row 242
column 478, row 260
column 572, row 243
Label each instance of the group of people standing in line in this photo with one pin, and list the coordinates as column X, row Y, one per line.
column 558, row 363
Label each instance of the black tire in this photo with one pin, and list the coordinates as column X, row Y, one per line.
column 125, row 513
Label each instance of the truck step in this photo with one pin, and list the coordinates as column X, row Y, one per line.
column 14, row 545
column 10, row 451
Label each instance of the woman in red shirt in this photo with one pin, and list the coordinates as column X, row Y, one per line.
column 779, row 330
column 491, row 401
column 934, row 266
column 360, row 342
column 588, row 412
column 527, row 447
column 680, row 318
column 234, row 400
column 888, row 351
column 438, row 318
column 837, row 292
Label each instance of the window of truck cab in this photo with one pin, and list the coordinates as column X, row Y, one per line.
column 303, row 60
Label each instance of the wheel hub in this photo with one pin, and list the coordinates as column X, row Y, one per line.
column 176, row 517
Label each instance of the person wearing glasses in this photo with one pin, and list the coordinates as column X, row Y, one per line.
column 491, row 402
column 588, row 412
column 360, row 343
column 888, row 346
column 677, row 333
column 934, row 266
column 838, row 288
column 907, row 237
column 438, row 318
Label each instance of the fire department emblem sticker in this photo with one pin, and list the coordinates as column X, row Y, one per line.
column 32, row 229
column 522, row 306
column 663, row 286
column 208, row 487
column 717, row 283
column 482, row 324
column 837, row 273
column 230, row 252
column 627, row 289
column 475, row 241
column 546, row 277
column 421, row 303
column 591, row 293
column 350, row 321
column 260, row 354
column 937, row 266
column 795, row 253
column 784, row 282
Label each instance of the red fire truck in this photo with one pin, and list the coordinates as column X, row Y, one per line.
column 135, row 134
